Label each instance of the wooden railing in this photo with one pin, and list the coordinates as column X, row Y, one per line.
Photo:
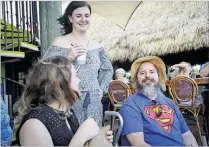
column 19, row 25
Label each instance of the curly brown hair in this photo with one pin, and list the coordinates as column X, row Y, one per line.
column 48, row 81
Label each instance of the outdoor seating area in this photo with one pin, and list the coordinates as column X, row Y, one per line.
column 184, row 91
column 104, row 73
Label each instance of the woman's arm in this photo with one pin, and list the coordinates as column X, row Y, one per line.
column 105, row 72
column 34, row 133
column 77, row 140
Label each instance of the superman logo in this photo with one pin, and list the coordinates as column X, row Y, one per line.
column 165, row 120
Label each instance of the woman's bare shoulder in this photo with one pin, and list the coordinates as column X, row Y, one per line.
column 35, row 128
column 61, row 41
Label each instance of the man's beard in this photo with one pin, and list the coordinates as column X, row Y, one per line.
column 148, row 89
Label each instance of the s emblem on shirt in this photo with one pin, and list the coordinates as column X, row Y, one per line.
column 165, row 121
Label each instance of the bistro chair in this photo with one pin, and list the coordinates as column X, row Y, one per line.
column 183, row 91
column 118, row 91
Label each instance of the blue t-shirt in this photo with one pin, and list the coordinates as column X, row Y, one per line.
column 139, row 115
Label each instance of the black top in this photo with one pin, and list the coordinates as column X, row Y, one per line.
column 55, row 123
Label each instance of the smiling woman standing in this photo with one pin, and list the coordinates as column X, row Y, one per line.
column 95, row 72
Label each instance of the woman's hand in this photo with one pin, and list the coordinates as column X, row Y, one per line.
column 110, row 136
column 76, row 50
column 88, row 129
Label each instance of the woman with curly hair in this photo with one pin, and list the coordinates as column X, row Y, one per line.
column 46, row 115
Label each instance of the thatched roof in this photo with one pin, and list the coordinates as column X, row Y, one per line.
column 156, row 28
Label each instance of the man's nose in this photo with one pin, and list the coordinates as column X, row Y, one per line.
column 147, row 75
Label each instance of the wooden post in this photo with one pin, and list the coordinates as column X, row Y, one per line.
column 49, row 11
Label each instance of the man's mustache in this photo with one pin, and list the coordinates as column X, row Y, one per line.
column 148, row 79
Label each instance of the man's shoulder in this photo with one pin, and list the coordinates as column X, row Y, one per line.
column 131, row 101
column 129, row 106
column 167, row 99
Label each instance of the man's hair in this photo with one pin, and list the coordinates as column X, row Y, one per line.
column 186, row 69
column 121, row 70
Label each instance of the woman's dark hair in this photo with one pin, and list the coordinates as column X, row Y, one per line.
column 48, row 81
column 64, row 19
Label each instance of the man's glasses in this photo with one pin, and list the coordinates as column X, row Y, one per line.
column 158, row 109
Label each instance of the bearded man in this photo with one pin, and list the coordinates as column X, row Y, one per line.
column 150, row 118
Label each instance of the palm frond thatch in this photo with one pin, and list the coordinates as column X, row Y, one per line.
column 156, row 28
